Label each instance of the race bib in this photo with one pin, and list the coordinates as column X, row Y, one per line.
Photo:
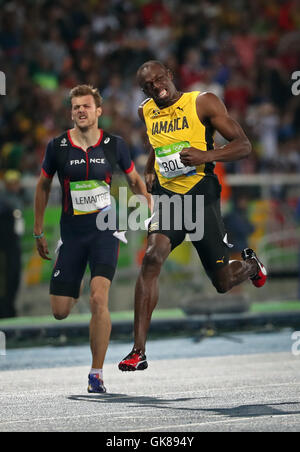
column 169, row 163
column 89, row 196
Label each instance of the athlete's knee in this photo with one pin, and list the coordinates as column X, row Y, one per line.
column 154, row 258
column 222, row 281
column 60, row 314
column 221, row 286
column 98, row 303
column 61, row 306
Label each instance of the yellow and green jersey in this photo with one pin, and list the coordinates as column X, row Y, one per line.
column 171, row 129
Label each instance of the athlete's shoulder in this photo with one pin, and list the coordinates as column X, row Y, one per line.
column 145, row 101
column 111, row 137
column 209, row 104
column 145, row 107
column 60, row 140
column 117, row 152
column 208, row 96
column 114, row 142
column 55, row 157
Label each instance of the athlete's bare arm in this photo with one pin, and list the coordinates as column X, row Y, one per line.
column 40, row 203
column 138, row 187
column 212, row 112
column 149, row 171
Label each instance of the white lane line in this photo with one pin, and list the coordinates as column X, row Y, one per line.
column 112, row 417
column 156, row 395
column 44, row 419
column 198, row 424
column 242, row 419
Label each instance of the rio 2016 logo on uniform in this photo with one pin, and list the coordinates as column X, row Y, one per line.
column 296, row 84
column 2, row 84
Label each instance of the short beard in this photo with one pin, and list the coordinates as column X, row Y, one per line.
column 84, row 129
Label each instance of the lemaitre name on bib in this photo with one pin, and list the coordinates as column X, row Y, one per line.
column 89, row 196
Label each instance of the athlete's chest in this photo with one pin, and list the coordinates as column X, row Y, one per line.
column 86, row 165
column 171, row 123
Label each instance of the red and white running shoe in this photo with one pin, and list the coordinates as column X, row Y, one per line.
column 134, row 361
column 260, row 278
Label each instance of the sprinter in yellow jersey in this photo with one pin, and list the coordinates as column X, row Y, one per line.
column 180, row 130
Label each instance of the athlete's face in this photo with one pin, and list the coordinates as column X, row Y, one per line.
column 85, row 113
column 157, row 83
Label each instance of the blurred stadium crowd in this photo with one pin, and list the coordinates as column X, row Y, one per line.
column 243, row 51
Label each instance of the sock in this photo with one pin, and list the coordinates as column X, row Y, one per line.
column 98, row 372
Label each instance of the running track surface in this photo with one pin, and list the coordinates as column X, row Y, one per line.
column 245, row 382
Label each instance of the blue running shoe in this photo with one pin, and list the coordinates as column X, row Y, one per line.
column 96, row 385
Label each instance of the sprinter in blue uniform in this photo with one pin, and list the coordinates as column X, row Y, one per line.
column 84, row 159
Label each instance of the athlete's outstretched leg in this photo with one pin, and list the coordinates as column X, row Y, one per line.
column 146, row 297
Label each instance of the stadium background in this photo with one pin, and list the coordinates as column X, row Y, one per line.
column 245, row 52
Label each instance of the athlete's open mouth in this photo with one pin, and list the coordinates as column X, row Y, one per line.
column 163, row 94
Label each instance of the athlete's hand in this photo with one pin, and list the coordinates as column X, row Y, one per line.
column 193, row 157
column 42, row 248
column 149, row 180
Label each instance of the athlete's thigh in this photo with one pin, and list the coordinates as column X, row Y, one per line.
column 103, row 254
column 167, row 221
column 69, row 267
column 213, row 249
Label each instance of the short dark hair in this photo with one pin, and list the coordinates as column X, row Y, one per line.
column 151, row 63
column 85, row 90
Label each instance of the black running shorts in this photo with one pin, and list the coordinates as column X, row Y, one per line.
column 82, row 244
column 177, row 219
